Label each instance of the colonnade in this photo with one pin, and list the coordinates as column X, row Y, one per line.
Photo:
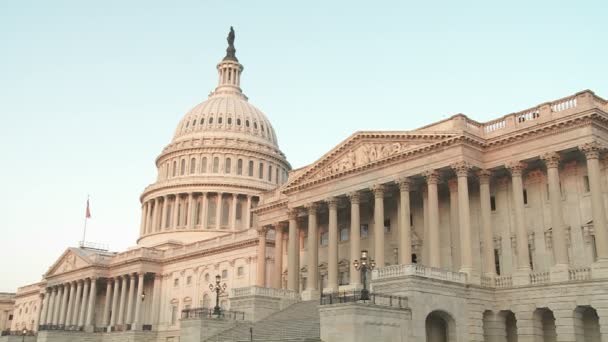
column 430, row 178
column 191, row 211
column 69, row 304
column 123, row 301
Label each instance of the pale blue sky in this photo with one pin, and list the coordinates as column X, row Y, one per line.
column 90, row 92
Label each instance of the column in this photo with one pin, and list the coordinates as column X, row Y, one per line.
column 108, row 302
column 142, row 229
column 204, row 211
column 163, row 216
column 355, row 236
column 91, row 305
column 57, row 305
column 68, row 319
column 154, row 216
column 64, row 305
column 293, row 250
column 464, row 217
column 156, row 299
column 175, row 213
column 261, row 264
column 235, row 198
column 83, row 304
column 76, row 303
column 113, row 314
column 332, row 248
column 378, row 224
column 51, row 311
column 123, row 296
column 560, row 248
column 278, row 256
column 432, row 178
column 454, row 225
column 592, row 152
column 523, row 258
column 312, row 280
column 44, row 309
column 405, row 233
column 218, row 211
column 248, row 213
column 129, row 317
column 138, row 301
column 489, row 262
column 191, row 211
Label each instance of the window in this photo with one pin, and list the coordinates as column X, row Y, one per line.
column 387, row 226
column 324, row 238
column 182, row 168
column 202, row 121
column 240, row 271
column 193, row 122
column 496, row 261
column 364, row 231
column 411, row 219
column 343, row 278
column 219, row 120
column 173, row 314
column 174, row 168
column 238, row 122
column 270, row 173
column 230, row 121
column 250, row 168
column 239, row 167
column 206, row 277
column 525, row 196
column 204, row 165
column 211, row 212
column 228, row 165
column 210, row 120
column 586, row 186
column 344, row 234
column 276, row 176
column 192, row 165
column 414, row 258
column 261, row 170
column 493, row 203
column 239, row 209
column 224, row 274
column 176, row 282
column 169, row 211
column 216, row 164
column 189, row 280
column 247, row 123
column 197, row 213
column 255, row 125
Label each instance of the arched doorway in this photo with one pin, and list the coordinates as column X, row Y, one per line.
column 440, row 327
column 586, row 324
column 501, row 326
column 544, row 325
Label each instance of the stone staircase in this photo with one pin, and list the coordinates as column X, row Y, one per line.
column 298, row 322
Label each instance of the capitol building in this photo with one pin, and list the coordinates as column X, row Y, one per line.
column 474, row 231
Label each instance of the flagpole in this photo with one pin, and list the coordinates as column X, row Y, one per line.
column 86, row 217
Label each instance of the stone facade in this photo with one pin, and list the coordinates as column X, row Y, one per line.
column 493, row 231
column 7, row 304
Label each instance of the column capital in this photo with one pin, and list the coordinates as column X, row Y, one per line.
column 354, row 197
column 432, row 176
column 404, row 183
column 279, row 226
column 332, row 202
column 551, row 159
column 292, row 213
column 262, row 231
column 516, row 168
column 591, row 149
column 461, row 168
column 378, row 190
column 484, row 176
column 312, row 208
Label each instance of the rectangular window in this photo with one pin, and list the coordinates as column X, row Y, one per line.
column 270, row 173
column 189, row 280
column 250, row 173
column 387, row 226
column 493, row 203
column 586, row 186
column 176, row 282
column 497, row 261
column 364, row 231
column 224, row 274
column 324, row 238
column 411, row 219
column 239, row 167
column 525, row 196
column 240, row 271
column 343, row 278
column 261, row 169
column 173, row 314
column 344, row 234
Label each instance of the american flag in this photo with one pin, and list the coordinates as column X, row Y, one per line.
column 88, row 213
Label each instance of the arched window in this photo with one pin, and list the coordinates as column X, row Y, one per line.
column 230, row 121
column 187, row 124
column 270, row 173
column 182, row 168
column 261, row 175
column 193, row 122
column 192, row 165
column 246, row 123
column 239, row 167
column 219, row 120
column 276, row 175
column 216, row 165
column 238, row 122
column 250, row 168
column 174, row 168
column 204, row 165
column 227, row 166
column 211, row 120
column 202, row 121
column 167, row 170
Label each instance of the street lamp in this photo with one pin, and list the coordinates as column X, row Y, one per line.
column 23, row 334
column 364, row 265
column 217, row 288
column 143, row 295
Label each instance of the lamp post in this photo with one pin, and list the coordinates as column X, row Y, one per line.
column 217, row 288
column 143, row 295
column 364, row 265
column 23, row 334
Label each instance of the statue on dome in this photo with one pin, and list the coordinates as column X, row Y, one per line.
column 231, row 51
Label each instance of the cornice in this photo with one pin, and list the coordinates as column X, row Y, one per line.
column 261, row 209
column 190, row 183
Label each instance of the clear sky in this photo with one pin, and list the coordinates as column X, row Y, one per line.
column 90, row 92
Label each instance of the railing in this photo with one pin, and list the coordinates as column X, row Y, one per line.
column 208, row 313
column 495, row 125
column 504, row 281
column 371, row 298
column 583, row 273
column 418, row 270
column 560, row 105
column 539, row 278
column 527, row 116
column 17, row 333
column 488, row 281
column 263, row 291
column 61, row 327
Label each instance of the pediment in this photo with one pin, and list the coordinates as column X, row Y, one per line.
column 68, row 261
column 362, row 149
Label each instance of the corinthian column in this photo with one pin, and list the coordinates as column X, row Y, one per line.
column 64, row 304
column 332, row 248
column 142, row 229
column 261, row 265
column 45, row 306
column 68, row 318
column 312, row 281
column 77, row 302
column 91, row 306
column 489, row 262
column 523, row 258
column 123, row 295
column 293, row 269
column 235, row 198
column 355, row 236
column 56, row 318
column 108, row 303
column 205, row 211
column 432, row 178
column 155, row 215
column 405, row 234
column 129, row 318
column 464, row 217
column 560, row 248
column 278, row 256
column 50, row 313
column 191, row 211
column 83, row 304
column 113, row 313
column 218, row 211
column 175, row 213
column 138, row 301
column 163, row 216
column 379, row 224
